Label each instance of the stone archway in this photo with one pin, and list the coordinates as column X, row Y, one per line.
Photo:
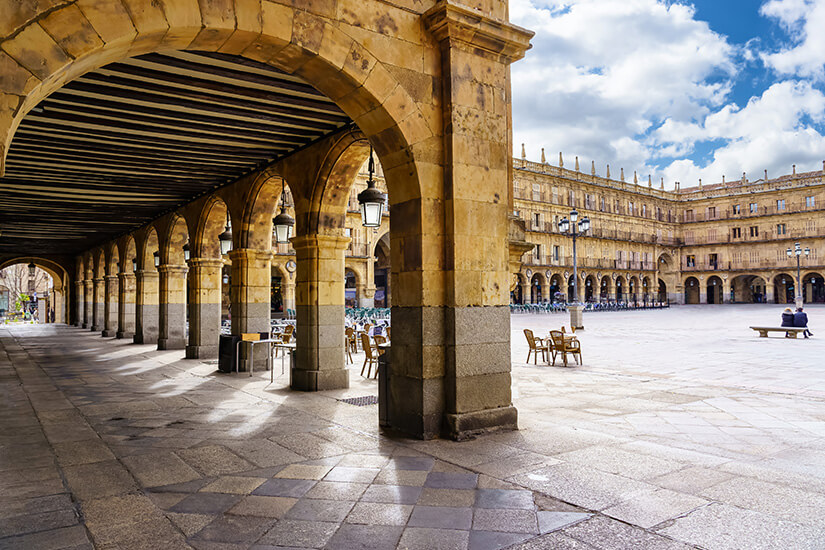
column 58, row 310
column 692, row 290
column 784, row 289
column 715, row 289
column 813, row 287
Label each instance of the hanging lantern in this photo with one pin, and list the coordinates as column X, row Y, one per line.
column 186, row 253
column 225, row 238
column 283, row 222
column 371, row 200
column 134, row 264
column 31, row 267
column 584, row 225
column 226, row 278
column 156, row 256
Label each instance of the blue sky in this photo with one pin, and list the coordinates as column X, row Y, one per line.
column 676, row 89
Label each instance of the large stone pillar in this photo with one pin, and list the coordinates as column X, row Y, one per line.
column 250, row 296
column 99, row 301
column 88, row 302
column 450, row 355
column 80, row 307
column 319, row 353
column 204, row 308
column 289, row 294
column 146, row 307
column 126, row 305
column 111, row 306
column 172, row 307
column 769, row 292
column 725, row 291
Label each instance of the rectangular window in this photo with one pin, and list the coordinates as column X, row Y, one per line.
column 691, row 260
column 713, row 261
column 810, row 202
column 754, row 230
column 781, row 229
column 737, row 209
column 601, row 204
column 736, row 232
column 348, row 232
column 711, row 212
column 555, row 195
column 630, row 208
column 556, row 253
column 537, row 252
column 571, row 198
column 536, row 191
column 688, row 215
column 536, row 221
column 780, row 204
column 754, row 208
column 644, row 210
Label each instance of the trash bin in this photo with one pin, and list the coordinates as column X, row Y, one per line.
column 226, row 352
column 384, row 388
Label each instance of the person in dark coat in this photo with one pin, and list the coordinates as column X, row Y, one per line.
column 787, row 317
column 800, row 319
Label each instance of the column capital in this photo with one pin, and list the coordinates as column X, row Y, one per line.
column 126, row 275
column 249, row 254
column 172, row 268
column 110, row 277
column 456, row 25
column 98, row 280
column 147, row 273
column 216, row 263
column 305, row 242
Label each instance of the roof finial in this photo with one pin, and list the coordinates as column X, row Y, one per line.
column 794, row 169
column 823, row 165
column 543, row 160
column 744, row 177
column 608, row 172
column 823, row 169
column 622, row 172
column 577, row 163
column 663, row 183
column 649, row 181
column 700, row 183
column 523, row 153
column 635, row 179
column 561, row 161
column 723, row 179
column 593, row 167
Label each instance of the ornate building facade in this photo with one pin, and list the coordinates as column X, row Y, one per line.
column 713, row 244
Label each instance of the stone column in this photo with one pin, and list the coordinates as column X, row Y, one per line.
column 80, row 307
column 288, row 288
column 725, row 291
column 679, row 296
column 99, row 301
column 172, row 307
column 204, row 308
column 545, row 291
column 111, row 308
column 146, row 307
column 369, row 296
column 126, row 305
column 319, row 353
column 249, row 296
column 58, row 301
column 88, row 302
column 769, row 293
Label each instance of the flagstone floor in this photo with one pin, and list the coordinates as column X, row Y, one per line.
column 681, row 430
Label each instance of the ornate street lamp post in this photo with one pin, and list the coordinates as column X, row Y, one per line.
column 797, row 251
column 574, row 228
column 371, row 199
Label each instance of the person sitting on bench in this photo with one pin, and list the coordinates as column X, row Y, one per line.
column 800, row 319
column 787, row 319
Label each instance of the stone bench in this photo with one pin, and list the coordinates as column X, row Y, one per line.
column 791, row 332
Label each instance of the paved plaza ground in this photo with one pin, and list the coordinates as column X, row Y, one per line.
column 681, row 430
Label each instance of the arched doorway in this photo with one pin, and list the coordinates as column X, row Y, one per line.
column 620, row 289
column 749, row 289
column 814, row 288
column 784, row 289
column 555, row 289
column 517, row 294
column 633, row 290
column 39, row 295
column 604, row 290
column 646, row 290
column 691, row 290
column 381, row 278
column 590, row 288
column 714, row 290
column 536, row 285
column 571, row 289
column 662, row 291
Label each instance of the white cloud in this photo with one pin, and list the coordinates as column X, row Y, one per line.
column 804, row 21
column 636, row 82
column 601, row 74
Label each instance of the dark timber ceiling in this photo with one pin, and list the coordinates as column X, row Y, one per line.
column 121, row 145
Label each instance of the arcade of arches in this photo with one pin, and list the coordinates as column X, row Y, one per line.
column 129, row 129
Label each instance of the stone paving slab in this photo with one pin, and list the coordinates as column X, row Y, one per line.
column 618, row 453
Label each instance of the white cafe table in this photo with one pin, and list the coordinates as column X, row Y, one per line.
column 252, row 344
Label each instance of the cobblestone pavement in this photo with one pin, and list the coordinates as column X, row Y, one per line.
column 681, row 430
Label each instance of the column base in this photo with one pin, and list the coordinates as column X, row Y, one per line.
column 466, row 425
column 171, row 343
column 319, row 380
column 120, row 334
column 201, row 352
column 109, row 333
column 143, row 339
column 576, row 316
column 97, row 328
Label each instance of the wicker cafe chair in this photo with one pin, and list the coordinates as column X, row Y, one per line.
column 560, row 344
column 536, row 345
column 286, row 337
column 350, row 343
column 371, row 357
